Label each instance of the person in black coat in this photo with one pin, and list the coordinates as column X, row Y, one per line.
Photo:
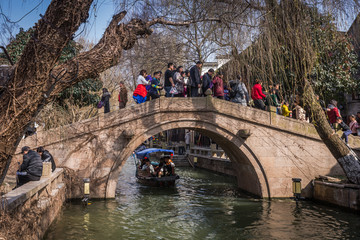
column 207, row 79
column 31, row 168
column 106, row 100
column 46, row 157
column 195, row 81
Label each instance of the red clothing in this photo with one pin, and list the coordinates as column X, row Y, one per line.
column 140, row 90
column 218, row 87
column 256, row 92
column 333, row 114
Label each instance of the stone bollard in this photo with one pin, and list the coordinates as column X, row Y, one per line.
column 46, row 169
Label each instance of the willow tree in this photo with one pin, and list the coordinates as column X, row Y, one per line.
column 37, row 77
column 287, row 52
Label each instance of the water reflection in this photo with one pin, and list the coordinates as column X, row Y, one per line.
column 203, row 205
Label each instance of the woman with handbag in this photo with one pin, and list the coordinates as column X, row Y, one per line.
column 179, row 82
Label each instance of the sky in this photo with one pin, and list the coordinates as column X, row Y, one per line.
column 27, row 12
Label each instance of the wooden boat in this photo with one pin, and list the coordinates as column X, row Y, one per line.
column 163, row 181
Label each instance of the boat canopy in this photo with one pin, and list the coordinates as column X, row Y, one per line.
column 145, row 153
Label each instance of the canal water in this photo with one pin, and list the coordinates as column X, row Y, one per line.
column 203, row 205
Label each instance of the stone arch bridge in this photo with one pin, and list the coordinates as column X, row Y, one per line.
column 266, row 149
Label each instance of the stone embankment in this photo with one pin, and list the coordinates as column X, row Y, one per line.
column 28, row 211
column 339, row 194
column 211, row 159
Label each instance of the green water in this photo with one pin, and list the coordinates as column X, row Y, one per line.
column 203, row 205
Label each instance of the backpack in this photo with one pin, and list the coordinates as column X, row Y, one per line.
column 233, row 91
column 100, row 104
column 174, row 76
column 148, row 78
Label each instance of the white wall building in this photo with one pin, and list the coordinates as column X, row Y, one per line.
column 220, row 60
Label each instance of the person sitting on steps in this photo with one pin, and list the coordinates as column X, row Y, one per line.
column 345, row 128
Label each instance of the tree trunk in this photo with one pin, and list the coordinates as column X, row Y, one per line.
column 347, row 159
column 36, row 78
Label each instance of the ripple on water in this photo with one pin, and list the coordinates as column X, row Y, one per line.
column 203, row 205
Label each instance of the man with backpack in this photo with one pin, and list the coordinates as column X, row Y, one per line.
column 238, row 92
column 207, row 80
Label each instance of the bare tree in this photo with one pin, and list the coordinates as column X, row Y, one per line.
column 35, row 79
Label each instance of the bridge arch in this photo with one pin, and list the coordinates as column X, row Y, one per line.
column 266, row 149
column 250, row 173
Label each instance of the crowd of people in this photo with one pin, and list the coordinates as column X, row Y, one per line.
column 179, row 82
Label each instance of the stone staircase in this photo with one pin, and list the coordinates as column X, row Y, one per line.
column 181, row 161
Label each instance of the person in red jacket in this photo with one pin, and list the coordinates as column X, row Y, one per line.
column 332, row 112
column 257, row 95
column 219, row 86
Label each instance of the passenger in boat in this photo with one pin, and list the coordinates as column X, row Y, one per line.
column 148, row 168
column 169, row 166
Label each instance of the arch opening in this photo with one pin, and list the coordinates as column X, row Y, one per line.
column 249, row 172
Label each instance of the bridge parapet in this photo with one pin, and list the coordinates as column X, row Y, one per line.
column 266, row 149
column 173, row 105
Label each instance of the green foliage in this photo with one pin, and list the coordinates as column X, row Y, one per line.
column 337, row 63
column 16, row 46
column 81, row 94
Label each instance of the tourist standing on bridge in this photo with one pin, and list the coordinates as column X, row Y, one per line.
column 140, row 92
column 285, row 109
column 354, row 126
column 106, row 100
column 247, row 97
column 195, row 80
column 31, row 168
column 156, row 86
column 187, row 83
column 358, row 117
column 169, row 81
column 219, row 85
column 123, row 95
column 207, row 81
column 257, row 95
column 275, row 101
column 179, row 81
column 333, row 112
column 237, row 92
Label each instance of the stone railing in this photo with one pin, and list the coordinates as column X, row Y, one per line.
column 211, row 159
column 210, row 153
column 35, row 204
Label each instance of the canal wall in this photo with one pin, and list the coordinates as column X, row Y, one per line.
column 28, row 211
column 212, row 159
column 339, row 194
